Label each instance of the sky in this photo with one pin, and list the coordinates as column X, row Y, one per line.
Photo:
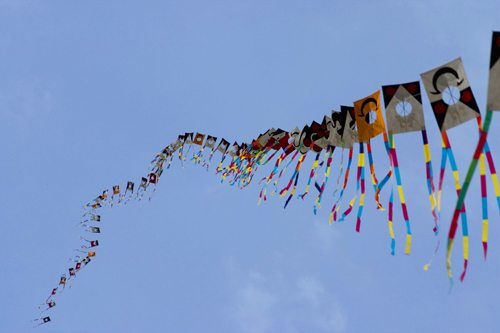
column 91, row 91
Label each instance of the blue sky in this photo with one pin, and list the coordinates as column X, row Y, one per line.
column 90, row 91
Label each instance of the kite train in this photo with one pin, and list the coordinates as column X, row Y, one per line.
column 353, row 128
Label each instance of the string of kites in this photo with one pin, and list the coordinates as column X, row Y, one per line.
column 358, row 124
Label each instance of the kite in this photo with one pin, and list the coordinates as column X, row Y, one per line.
column 453, row 104
column 41, row 321
column 338, row 133
column 405, row 113
column 493, row 103
column 371, row 123
column 349, row 137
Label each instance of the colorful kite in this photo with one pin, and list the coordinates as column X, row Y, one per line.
column 452, row 102
column 493, row 103
column 404, row 112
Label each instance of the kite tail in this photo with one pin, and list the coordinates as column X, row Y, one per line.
column 189, row 149
column 437, row 207
column 430, row 181
column 341, row 170
column 463, row 215
column 180, row 154
column 436, row 249
column 336, row 207
column 250, row 171
column 284, row 191
column 361, row 162
column 404, row 209
column 206, row 164
column 317, row 202
column 442, row 171
column 268, row 178
column 152, row 193
column 286, row 151
column 229, row 169
column 293, row 189
column 491, row 164
column 311, row 176
column 384, row 181
column 262, row 195
column 484, row 204
column 260, row 159
column 493, row 173
column 219, row 167
column 374, row 179
column 486, row 154
column 130, row 196
column 390, row 223
column 235, row 170
column 362, row 184
column 171, row 158
column 140, row 192
column 349, row 209
column 282, row 172
column 280, row 159
column 197, row 158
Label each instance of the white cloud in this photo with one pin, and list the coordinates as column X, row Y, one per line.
column 23, row 101
column 323, row 312
column 310, row 289
column 271, row 303
column 254, row 309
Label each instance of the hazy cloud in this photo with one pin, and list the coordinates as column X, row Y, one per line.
column 271, row 303
column 22, row 101
column 254, row 309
